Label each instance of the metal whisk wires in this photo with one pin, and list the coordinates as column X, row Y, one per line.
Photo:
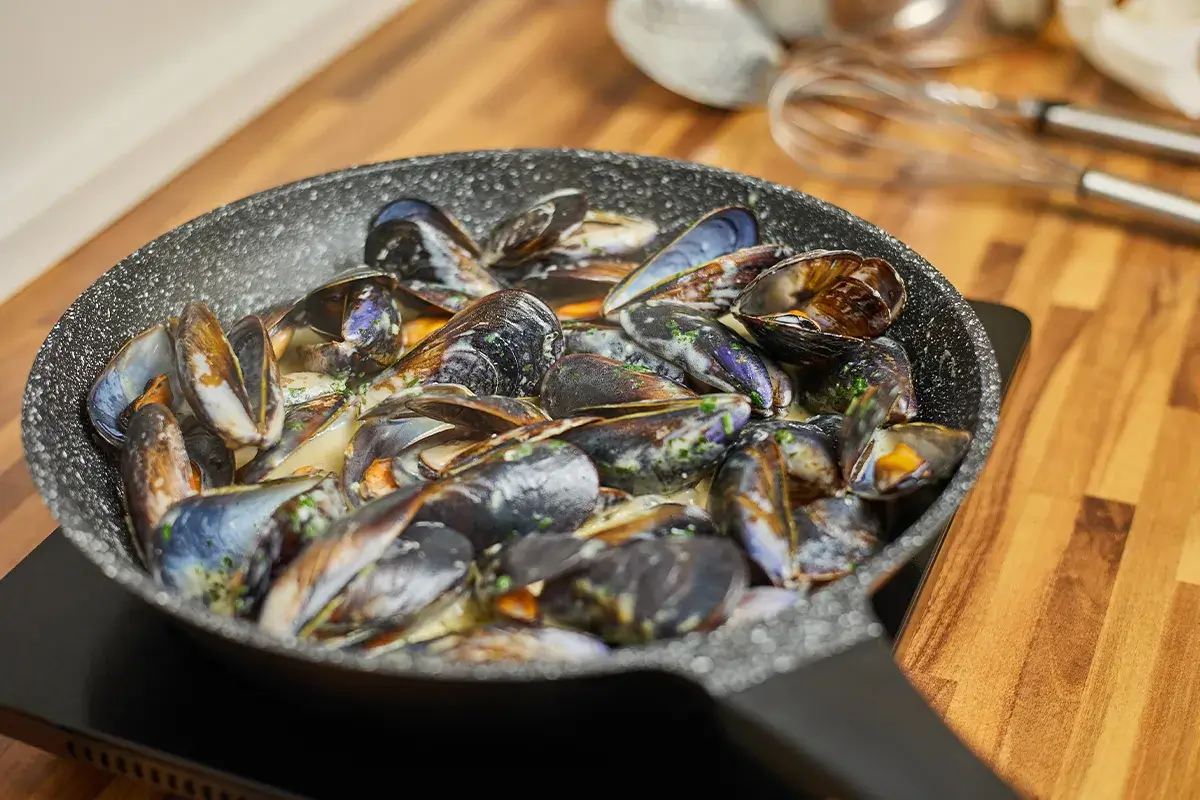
column 853, row 115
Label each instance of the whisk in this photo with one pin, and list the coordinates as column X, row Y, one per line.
column 852, row 114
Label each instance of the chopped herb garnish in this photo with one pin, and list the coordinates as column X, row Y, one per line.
column 727, row 423
column 503, row 583
column 708, row 405
column 757, row 399
column 784, row 436
column 859, row 386
column 166, row 532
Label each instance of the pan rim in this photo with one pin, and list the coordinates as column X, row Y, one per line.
column 723, row 660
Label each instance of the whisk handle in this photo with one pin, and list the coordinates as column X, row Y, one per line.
column 1164, row 206
column 1134, row 134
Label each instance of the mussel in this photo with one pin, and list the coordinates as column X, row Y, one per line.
column 657, row 447
column 889, row 462
column 716, row 234
column 534, row 447
column 235, row 392
column 359, row 313
column 583, row 380
column 650, row 588
column 815, row 306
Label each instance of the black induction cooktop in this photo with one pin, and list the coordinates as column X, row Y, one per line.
column 88, row 671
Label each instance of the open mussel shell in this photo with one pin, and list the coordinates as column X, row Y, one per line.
column 903, row 458
column 432, row 297
column 833, row 387
column 155, row 470
column 658, row 447
column 396, row 406
column 540, row 487
column 255, row 354
column 606, row 235
column 369, row 469
column 707, row 350
column 304, row 518
column 136, row 365
column 418, row 241
column 514, row 643
column 650, row 589
column 213, row 379
column 712, row 287
column 359, row 311
column 535, row 230
column 609, row 340
column 487, row 448
column 483, row 413
column 773, row 470
column 512, row 579
column 578, row 381
column 302, row 424
column 718, row 233
column 760, row 604
column 421, row 566
column 500, row 344
column 210, row 457
column 205, row 538
column 835, row 535
column 646, row 517
column 815, row 306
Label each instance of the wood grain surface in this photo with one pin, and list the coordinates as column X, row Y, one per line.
column 1058, row 636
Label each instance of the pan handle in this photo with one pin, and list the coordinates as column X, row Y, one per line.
column 852, row 726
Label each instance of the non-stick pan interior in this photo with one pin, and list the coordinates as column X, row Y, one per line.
column 271, row 246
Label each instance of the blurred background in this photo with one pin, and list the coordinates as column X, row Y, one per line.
column 105, row 101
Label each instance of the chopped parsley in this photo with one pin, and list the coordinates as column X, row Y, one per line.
column 503, row 583
column 859, row 386
column 522, row 450
column 784, row 436
column 757, row 399
column 727, row 423
column 166, row 532
column 708, row 405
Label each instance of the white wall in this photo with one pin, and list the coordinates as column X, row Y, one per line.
column 101, row 101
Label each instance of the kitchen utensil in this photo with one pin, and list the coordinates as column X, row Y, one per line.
column 839, row 114
column 722, row 53
column 1037, row 115
column 812, row 695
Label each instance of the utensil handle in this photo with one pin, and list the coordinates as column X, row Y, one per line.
column 1156, row 140
column 1182, row 212
column 852, row 726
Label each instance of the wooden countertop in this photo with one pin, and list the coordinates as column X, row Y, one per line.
column 1059, row 636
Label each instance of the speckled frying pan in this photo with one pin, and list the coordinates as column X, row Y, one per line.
column 813, row 696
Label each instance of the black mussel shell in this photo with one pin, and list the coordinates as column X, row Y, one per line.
column 500, row 344
column 204, row 539
column 718, row 233
column 775, row 469
column 609, row 340
column 583, row 380
column 209, row 455
column 124, row 379
column 606, row 235
column 540, row 487
column 537, row 432
column 836, row 534
column 421, row 566
column 661, row 447
column 511, row 580
column 484, row 413
column 369, row 468
column 650, row 589
column 155, row 470
column 812, row 307
column 832, row 387
column 647, row 517
column 703, row 347
column 352, row 544
column 903, row 458
column 535, row 230
column 304, row 518
column 420, row 242
column 609, row 499
column 252, row 346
